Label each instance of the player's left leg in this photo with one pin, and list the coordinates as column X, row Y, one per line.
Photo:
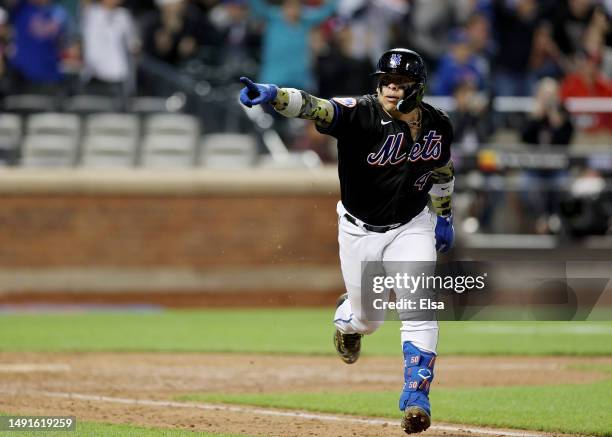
column 413, row 252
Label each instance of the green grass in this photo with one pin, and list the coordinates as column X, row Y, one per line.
column 583, row 408
column 94, row 429
column 295, row 331
column 558, row 408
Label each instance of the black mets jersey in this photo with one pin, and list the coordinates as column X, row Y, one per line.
column 384, row 172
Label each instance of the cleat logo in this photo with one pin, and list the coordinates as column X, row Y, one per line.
column 425, row 374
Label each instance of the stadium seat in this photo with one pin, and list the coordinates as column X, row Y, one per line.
column 112, row 124
column 111, row 140
column 47, row 150
column 51, row 140
column 169, row 151
column 172, row 124
column 109, row 151
column 53, row 123
column 89, row 104
column 170, row 140
column 10, row 137
column 29, row 103
column 229, row 151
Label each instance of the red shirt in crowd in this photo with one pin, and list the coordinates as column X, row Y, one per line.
column 576, row 85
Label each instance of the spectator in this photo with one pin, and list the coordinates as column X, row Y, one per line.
column 464, row 10
column 175, row 31
column 109, row 39
column 139, row 8
column 588, row 81
column 546, row 59
column 478, row 31
column 4, row 40
column 41, row 33
column 338, row 72
column 459, row 65
column 473, row 125
column 597, row 36
column 206, row 6
column 515, row 27
column 471, row 118
column 570, row 23
column 372, row 25
column 427, row 28
column 242, row 39
column 286, row 54
column 73, row 7
column 549, row 124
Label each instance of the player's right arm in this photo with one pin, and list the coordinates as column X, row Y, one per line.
column 289, row 102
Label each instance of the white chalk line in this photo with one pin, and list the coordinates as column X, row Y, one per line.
column 575, row 329
column 264, row 412
column 501, row 366
column 32, row 367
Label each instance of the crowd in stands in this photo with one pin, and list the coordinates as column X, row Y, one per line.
column 328, row 47
column 499, row 46
column 474, row 49
column 324, row 46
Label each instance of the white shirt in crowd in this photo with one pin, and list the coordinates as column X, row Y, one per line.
column 109, row 37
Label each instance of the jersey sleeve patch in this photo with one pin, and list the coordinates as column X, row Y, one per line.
column 349, row 102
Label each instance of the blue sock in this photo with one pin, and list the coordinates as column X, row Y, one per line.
column 418, row 375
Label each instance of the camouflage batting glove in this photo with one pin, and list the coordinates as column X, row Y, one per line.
column 256, row 93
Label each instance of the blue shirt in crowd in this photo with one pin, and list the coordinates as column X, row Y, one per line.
column 39, row 36
column 451, row 73
column 286, row 51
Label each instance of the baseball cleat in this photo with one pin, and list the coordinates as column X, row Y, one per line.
column 415, row 420
column 348, row 346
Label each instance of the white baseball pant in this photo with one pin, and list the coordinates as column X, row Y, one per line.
column 413, row 241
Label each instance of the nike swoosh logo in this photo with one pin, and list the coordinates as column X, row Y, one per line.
column 383, row 122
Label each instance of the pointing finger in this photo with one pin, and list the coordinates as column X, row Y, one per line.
column 248, row 83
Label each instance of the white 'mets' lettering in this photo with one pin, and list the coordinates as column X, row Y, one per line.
column 389, row 153
column 431, row 148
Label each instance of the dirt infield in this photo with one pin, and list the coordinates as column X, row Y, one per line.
column 132, row 388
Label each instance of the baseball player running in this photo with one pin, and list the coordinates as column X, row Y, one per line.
column 396, row 181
